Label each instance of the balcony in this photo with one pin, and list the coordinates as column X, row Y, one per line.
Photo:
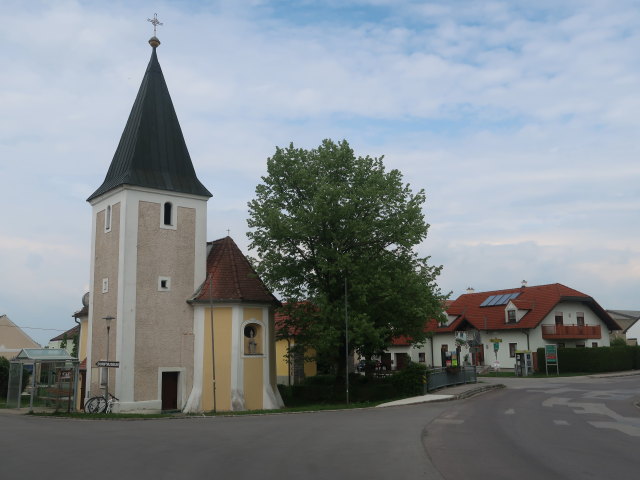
column 568, row 332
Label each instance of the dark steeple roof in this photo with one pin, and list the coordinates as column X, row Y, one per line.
column 152, row 152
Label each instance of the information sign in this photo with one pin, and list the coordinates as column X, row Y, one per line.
column 551, row 354
column 108, row 364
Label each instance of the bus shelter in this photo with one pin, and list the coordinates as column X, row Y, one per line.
column 48, row 377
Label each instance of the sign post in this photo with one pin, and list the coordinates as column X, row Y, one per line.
column 496, row 346
column 551, row 358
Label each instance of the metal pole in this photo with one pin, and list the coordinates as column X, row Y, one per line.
column 106, row 388
column 346, row 338
column 213, row 347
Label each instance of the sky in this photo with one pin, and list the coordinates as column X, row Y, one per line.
column 519, row 120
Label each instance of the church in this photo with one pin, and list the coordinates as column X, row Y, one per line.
column 174, row 322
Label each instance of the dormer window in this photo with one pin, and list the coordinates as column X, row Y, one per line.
column 511, row 316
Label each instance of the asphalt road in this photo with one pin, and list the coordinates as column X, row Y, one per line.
column 368, row 443
column 573, row 428
column 534, row 429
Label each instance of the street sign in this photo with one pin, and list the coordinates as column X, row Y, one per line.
column 496, row 346
column 108, row 364
column 495, row 340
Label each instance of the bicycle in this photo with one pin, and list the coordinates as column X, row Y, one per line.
column 100, row 404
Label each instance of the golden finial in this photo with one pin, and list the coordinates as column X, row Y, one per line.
column 153, row 41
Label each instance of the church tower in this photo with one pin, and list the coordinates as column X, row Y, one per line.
column 148, row 255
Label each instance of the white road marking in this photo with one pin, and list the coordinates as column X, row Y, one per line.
column 448, row 421
column 621, row 427
column 511, row 411
column 561, row 422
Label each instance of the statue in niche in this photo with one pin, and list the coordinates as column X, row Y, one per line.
column 252, row 346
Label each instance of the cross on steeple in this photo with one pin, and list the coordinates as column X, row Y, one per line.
column 155, row 22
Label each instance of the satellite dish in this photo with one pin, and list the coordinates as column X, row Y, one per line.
column 85, row 299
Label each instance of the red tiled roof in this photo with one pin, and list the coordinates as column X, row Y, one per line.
column 230, row 277
column 69, row 333
column 538, row 301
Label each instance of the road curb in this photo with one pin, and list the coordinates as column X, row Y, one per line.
column 478, row 390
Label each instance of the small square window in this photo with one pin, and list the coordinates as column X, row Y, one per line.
column 422, row 357
column 105, row 285
column 164, row 284
column 511, row 316
column 512, row 349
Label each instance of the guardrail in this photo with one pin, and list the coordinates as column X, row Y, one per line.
column 444, row 377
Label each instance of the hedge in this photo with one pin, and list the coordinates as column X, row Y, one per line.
column 594, row 360
column 325, row 389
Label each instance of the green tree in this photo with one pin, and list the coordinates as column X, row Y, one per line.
column 324, row 222
column 74, row 350
column 63, row 343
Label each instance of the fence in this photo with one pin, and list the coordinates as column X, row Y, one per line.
column 444, row 377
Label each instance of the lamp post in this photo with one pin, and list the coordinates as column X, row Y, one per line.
column 107, row 320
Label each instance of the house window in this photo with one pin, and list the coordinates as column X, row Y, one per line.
column 512, row 349
column 594, row 344
column 559, row 320
column 580, row 319
column 560, row 344
column 422, row 357
column 511, row 316
column 105, row 285
column 580, row 345
column 164, row 284
column 167, row 218
column 107, row 219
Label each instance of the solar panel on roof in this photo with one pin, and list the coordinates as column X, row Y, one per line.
column 503, row 299
column 487, row 300
column 500, row 299
column 495, row 301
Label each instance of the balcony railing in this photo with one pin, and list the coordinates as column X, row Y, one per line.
column 571, row 331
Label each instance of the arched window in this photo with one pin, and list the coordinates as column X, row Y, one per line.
column 168, row 213
column 107, row 219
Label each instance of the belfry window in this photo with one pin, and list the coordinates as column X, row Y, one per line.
column 168, row 213
column 107, row 219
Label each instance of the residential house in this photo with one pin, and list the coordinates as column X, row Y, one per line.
column 67, row 338
column 525, row 318
column 629, row 325
column 13, row 339
column 292, row 367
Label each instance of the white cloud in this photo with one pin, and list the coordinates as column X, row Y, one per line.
column 519, row 121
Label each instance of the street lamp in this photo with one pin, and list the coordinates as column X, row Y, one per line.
column 107, row 321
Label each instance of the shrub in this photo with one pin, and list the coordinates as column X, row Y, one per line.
column 410, row 380
column 4, row 377
column 594, row 360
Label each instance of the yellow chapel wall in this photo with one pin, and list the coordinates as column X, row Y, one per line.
column 254, row 366
column 222, row 319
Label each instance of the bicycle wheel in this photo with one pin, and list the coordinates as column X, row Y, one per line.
column 95, row 405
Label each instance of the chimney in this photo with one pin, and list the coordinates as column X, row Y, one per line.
column 524, row 283
column 470, row 290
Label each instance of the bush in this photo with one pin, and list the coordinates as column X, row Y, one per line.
column 594, row 360
column 410, row 381
column 4, row 378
